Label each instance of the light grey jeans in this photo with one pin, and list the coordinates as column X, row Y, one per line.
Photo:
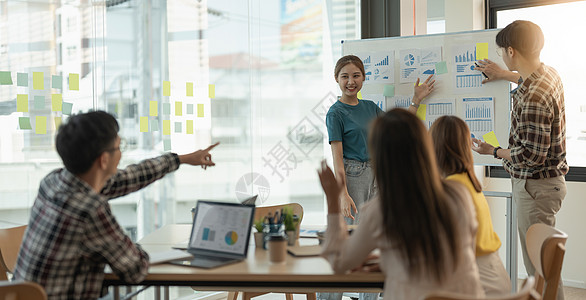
column 361, row 187
column 538, row 201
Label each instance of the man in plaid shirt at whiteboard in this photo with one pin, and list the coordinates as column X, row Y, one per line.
column 72, row 233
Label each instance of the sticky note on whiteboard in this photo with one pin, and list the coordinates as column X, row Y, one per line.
column 481, row 51
column 491, row 139
column 144, row 124
column 422, row 111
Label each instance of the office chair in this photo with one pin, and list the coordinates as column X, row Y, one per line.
column 24, row 290
column 527, row 292
column 10, row 240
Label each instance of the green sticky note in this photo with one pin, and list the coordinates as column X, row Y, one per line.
column 56, row 102
column 389, row 90
column 491, row 139
column 22, row 103
column 67, row 107
column 190, row 109
column 212, row 91
column 38, row 81
column 22, row 79
column 422, row 112
column 73, row 81
column 441, row 67
column 144, row 124
column 24, row 123
column 40, row 125
column 359, row 95
column 166, row 109
column 178, row 108
column 177, row 127
column 5, row 78
column 39, row 102
column 166, row 88
column 57, row 122
column 200, row 110
column 166, row 145
column 166, row 127
column 153, row 108
column 155, row 125
column 189, row 89
column 56, row 82
column 189, row 127
column 481, row 51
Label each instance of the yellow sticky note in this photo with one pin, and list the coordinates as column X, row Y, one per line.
column 57, row 122
column 166, row 88
column 73, row 82
column 491, row 139
column 144, row 124
column 189, row 128
column 481, row 51
column 22, row 103
column 200, row 110
column 153, row 108
column 189, row 89
column 212, row 91
column 56, row 102
column 178, row 108
column 359, row 95
column 422, row 111
column 40, row 125
column 166, row 127
column 38, row 81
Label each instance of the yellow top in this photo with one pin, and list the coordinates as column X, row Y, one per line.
column 487, row 241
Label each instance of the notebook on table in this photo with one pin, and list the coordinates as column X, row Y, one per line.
column 219, row 235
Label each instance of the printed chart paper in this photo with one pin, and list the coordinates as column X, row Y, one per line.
column 479, row 115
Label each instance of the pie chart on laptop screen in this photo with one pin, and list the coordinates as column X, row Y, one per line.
column 231, row 237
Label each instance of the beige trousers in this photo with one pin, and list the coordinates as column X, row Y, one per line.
column 493, row 275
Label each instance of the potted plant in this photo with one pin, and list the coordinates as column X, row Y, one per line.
column 258, row 235
column 290, row 222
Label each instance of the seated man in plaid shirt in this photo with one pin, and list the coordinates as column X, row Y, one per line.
column 72, row 233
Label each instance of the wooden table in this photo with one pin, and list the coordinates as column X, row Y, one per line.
column 256, row 273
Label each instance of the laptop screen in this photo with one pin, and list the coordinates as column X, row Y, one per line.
column 221, row 227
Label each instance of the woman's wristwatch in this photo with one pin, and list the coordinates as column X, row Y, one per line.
column 494, row 152
column 416, row 105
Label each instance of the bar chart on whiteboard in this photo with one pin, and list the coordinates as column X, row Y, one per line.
column 479, row 115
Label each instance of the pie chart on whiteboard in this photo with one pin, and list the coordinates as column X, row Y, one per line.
column 252, row 184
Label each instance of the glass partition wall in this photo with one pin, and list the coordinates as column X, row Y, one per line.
column 257, row 76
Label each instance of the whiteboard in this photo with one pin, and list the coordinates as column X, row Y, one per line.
column 393, row 64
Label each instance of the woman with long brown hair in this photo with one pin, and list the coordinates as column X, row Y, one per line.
column 423, row 226
column 452, row 144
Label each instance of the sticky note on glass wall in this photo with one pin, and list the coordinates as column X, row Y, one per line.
column 481, row 51
column 178, row 127
column 22, row 79
column 166, row 127
column 491, row 139
column 178, row 108
column 73, row 81
column 40, row 125
column 441, row 67
column 144, row 124
column 200, row 110
column 22, row 103
column 67, row 107
column 190, row 109
column 189, row 127
column 359, row 95
column 389, row 90
column 422, row 111
column 154, row 125
column 166, row 145
column 166, row 109
column 58, row 121
column 56, row 81
column 189, row 89
column 56, row 102
column 212, row 91
column 5, row 78
column 38, row 81
column 153, row 108
column 24, row 123
column 39, row 102
column 166, row 88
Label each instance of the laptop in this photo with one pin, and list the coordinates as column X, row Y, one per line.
column 220, row 234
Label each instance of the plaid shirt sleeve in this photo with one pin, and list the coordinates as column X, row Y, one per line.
column 136, row 177
column 533, row 131
column 105, row 238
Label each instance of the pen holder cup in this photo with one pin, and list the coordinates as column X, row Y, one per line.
column 277, row 245
column 272, row 229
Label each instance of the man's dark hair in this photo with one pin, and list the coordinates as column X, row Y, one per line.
column 84, row 138
column 523, row 36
